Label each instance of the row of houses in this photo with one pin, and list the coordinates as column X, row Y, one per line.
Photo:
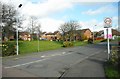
column 56, row 35
column 78, row 34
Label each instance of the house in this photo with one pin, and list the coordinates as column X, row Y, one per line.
column 51, row 36
column 83, row 34
column 115, row 33
column 24, row 36
column 57, row 35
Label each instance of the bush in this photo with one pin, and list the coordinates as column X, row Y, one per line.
column 115, row 57
column 90, row 41
column 67, row 44
column 8, row 48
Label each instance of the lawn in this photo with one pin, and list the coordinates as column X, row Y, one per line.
column 35, row 46
column 26, row 47
column 80, row 43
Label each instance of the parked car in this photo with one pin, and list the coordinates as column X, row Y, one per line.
column 43, row 39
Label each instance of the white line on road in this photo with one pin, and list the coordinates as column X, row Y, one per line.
column 35, row 61
column 25, row 63
column 64, row 53
column 43, row 56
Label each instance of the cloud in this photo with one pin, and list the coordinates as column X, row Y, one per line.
column 93, row 25
column 50, row 25
column 94, row 0
column 45, row 8
column 115, row 18
column 101, row 10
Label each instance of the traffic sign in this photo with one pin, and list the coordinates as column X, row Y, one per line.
column 108, row 22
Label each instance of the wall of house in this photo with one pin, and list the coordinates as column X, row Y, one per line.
column 88, row 34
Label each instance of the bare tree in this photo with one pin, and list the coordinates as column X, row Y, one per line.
column 68, row 30
column 32, row 26
column 38, row 28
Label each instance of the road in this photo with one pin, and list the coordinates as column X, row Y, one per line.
column 58, row 63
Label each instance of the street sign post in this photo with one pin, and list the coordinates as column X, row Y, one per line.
column 107, row 25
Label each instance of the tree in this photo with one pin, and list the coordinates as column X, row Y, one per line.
column 38, row 30
column 33, row 25
column 9, row 20
column 69, row 30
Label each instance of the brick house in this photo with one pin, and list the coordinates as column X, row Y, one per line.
column 83, row 34
column 51, row 36
column 25, row 36
column 114, row 34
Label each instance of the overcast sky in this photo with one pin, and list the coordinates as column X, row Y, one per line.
column 52, row 13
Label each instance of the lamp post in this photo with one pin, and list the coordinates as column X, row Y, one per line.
column 20, row 5
column 93, row 34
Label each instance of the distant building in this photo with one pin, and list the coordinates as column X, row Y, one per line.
column 83, row 34
column 115, row 33
column 51, row 36
column 25, row 36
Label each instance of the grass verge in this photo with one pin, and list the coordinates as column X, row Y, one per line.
column 35, row 46
column 111, row 71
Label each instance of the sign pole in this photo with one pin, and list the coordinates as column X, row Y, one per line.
column 108, row 44
column 108, row 23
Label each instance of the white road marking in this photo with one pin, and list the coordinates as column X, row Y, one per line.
column 43, row 56
column 36, row 61
column 53, row 55
column 63, row 52
column 25, row 64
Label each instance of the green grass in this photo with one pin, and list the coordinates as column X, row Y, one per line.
column 80, row 43
column 111, row 71
column 32, row 46
column 26, row 47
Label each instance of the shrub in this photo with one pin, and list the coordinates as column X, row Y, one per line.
column 8, row 48
column 67, row 44
column 90, row 41
column 115, row 56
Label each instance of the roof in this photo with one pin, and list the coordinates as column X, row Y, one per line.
column 83, row 30
column 49, row 33
column 24, row 33
column 115, row 32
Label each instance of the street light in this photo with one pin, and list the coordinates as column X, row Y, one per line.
column 93, row 33
column 20, row 5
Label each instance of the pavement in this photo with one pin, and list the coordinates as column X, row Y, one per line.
column 81, row 61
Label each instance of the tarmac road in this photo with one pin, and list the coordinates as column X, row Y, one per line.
column 67, row 62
